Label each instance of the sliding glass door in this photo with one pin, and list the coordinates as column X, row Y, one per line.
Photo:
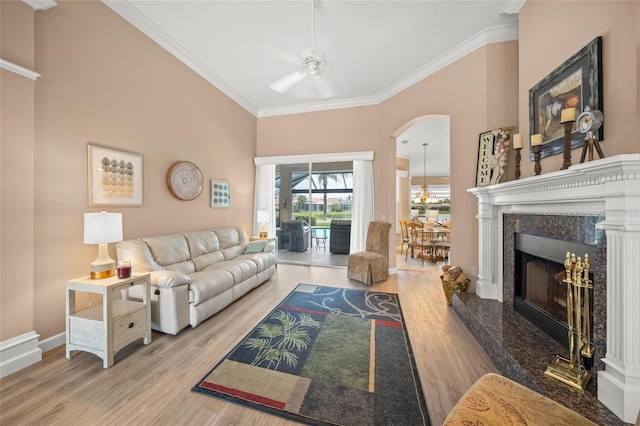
column 309, row 197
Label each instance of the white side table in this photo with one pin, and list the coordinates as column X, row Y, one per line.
column 106, row 328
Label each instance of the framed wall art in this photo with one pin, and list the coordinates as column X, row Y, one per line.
column 485, row 154
column 115, row 177
column 220, row 193
column 574, row 84
column 184, row 180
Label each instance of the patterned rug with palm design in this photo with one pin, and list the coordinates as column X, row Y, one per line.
column 326, row 355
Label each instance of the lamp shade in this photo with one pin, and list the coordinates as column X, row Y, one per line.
column 262, row 216
column 100, row 228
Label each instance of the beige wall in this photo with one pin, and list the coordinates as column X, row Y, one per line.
column 103, row 81
column 16, row 173
column 542, row 51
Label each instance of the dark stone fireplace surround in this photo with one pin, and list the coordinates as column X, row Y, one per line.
column 595, row 203
column 576, row 229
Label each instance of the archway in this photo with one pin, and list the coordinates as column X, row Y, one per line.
column 415, row 169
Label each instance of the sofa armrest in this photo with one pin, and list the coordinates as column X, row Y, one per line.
column 168, row 279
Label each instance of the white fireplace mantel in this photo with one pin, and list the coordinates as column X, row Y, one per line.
column 608, row 187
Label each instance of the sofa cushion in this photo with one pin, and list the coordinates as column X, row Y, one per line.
column 207, row 284
column 168, row 249
column 202, row 242
column 232, row 242
column 263, row 260
column 138, row 253
column 241, row 269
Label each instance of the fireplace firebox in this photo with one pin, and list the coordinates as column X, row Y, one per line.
column 540, row 293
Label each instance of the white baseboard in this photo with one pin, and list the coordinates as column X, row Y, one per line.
column 53, row 342
column 19, row 352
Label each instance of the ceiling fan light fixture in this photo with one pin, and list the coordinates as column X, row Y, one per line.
column 314, row 64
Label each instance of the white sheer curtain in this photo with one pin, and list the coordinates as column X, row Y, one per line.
column 362, row 207
column 264, row 198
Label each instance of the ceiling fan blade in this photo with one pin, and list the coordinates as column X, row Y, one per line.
column 288, row 81
column 323, row 88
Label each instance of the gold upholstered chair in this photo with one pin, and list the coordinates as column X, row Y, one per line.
column 371, row 265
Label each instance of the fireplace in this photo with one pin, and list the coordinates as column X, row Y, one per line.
column 596, row 203
column 539, row 290
column 545, row 239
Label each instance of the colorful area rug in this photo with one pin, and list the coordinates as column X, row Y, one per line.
column 326, row 355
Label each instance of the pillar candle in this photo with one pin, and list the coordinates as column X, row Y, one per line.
column 517, row 141
column 536, row 140
column 568, row 114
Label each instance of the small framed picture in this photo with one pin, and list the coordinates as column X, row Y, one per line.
column 114, row 176
column 220, row 193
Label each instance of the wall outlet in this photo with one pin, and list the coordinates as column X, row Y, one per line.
column 474, row 270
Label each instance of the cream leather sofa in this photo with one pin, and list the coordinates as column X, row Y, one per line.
column 196, row 274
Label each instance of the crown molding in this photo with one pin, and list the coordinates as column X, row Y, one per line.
column 131, row 14
column 10, row 66
column 41, row 4
column 485, row 37
column 512, row 7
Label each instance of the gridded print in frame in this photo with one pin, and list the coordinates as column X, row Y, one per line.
column 220, row 193
column 115, row 177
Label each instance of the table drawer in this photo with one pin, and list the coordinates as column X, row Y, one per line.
column 86, row 332
column 129, row 328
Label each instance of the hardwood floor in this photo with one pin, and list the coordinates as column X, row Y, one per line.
column 152, row 384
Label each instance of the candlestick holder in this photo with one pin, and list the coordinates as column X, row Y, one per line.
column 517, row 162
column 536, row 149
column 566, row 159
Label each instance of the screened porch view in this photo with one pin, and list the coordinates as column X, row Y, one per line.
column 313, row 212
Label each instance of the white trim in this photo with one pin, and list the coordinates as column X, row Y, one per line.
column 130, row 13
column 402, row 173
column 19, row 352
column 315, row 158
column 10, row 66
column 473, row 43
column 512, row 7
column 53, row 342
column 41, row 4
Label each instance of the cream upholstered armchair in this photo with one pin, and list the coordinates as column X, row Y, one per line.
column 372, row 265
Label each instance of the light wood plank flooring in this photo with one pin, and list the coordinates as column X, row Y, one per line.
column 152, row 384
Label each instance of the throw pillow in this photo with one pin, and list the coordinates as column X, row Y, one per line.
column 255, row 246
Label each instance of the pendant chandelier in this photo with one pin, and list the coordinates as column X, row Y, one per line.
column 424, row 196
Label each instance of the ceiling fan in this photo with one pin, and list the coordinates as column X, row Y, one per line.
column 312, row 65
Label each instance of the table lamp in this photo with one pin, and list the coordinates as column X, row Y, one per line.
column 262, row 217
column 102, row 229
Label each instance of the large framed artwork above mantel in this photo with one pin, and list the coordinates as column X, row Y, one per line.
column 574, row 84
